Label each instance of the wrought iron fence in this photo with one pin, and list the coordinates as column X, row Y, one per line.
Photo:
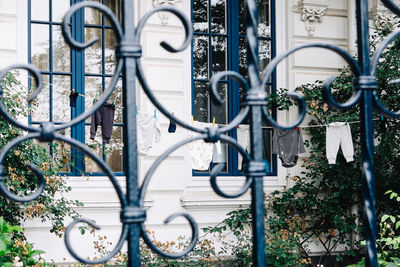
column 129, row 52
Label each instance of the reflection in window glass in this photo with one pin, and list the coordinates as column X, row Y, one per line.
column 220, row 112
column 40, row 10
column 200, row 57
column 109, row 53
column 60, row 7
column 116, row 98
column 41, row 104
column 61, row 51
column 218, row 16
column 219, row 54
column 200, row 15
column 201, row 102
column 61, row 90
column 40, row 45
column 93, row 54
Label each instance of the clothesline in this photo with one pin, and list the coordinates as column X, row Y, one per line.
column 302, row 126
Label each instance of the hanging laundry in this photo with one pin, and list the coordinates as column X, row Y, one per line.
column 287, row 144
column 172, row 126
column 104, row 116
column 201, row 153
column 219, row 151
column 72, row 98
column 339, row 134
column 148, row 130
column 243, row 138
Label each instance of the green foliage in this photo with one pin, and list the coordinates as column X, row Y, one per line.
column 52, row 205
column 388, row 242
column 283, row 239
column 14, row 250
column 321, row 186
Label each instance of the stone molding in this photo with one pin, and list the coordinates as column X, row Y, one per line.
column 164, row 15
column 311, row 13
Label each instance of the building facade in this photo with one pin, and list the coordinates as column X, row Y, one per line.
column 179, row 81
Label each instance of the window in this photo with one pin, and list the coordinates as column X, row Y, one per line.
column 88, row 72
column 219, row 44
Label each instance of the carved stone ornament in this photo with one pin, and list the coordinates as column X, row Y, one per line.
column 163, row 15
column 312, row 15
column 311, row 12
column 386, row 19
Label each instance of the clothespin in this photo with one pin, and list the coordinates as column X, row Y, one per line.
column 213, row 121
column 95, row 97
column 192, row 120
column 297, row 129
column 155, row 113
column 346, row 120
column 137, row 111
column 327, row 122
column 113, row 104
column 73, row 96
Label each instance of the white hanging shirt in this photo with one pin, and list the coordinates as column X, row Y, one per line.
column 148, row 130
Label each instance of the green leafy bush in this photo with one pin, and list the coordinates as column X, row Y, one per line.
column 51, row 205
column 14, row 250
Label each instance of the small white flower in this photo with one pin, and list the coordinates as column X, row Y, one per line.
column 16, row 259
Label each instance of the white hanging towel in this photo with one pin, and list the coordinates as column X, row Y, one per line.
column 339, row 134
column 200, row 152
column 148, row 131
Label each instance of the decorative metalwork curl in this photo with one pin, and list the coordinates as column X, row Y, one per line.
column 39, row 85
column 374, row 65
column 91, row 223
column 190, row 246
column 391, row 6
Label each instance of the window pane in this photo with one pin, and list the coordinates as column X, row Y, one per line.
column 93, row 54
column 201, row 102
column 61, row 92
column 220, row 113
column 200, row 15
column 242, row 23
column 40, row 10
column 264, row 17
column 267, row 137
column 62, row 151
column 97, row 146
column 60, row 7
column 41, row 104
column 109, row 54
column 115, row 6
column 218, row 16
column 243, row 57
column 200, row 57
column 116, row 98
column 93, row 16
column 61, row 52
column 113, row 152
column 40, row 46
column 93, row 87
column 264, row 53
column 219, row 54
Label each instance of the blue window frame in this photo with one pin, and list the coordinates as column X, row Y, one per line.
column 219, row 44
column 86, row 72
